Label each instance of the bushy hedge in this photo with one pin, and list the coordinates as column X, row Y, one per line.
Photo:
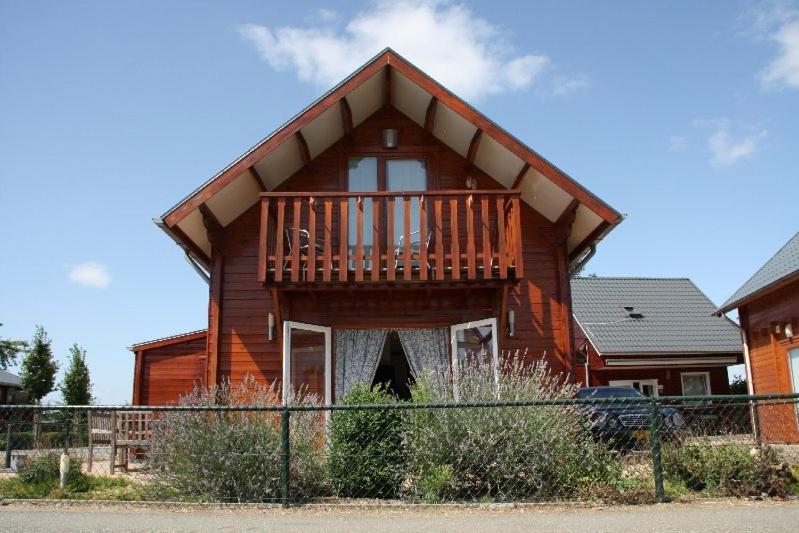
column 235, row 456
column 366, row 457
column 726, row 469
column 44, row 471
column 508, row 453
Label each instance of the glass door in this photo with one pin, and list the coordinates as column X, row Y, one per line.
column 307, row 365
column 406, row 175
column 793, row 361
column 471, row 341
column 361, row 177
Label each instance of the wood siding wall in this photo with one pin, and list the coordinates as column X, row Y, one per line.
column 540, row 301
column 768, row 353
column 166, row 372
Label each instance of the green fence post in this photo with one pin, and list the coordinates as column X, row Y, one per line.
column 8, row 444
column 285, row 456
column 657, row 458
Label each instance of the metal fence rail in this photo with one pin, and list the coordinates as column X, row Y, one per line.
column 620, row 449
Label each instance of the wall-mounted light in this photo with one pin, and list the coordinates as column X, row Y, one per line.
column 777, row 329
column 390, row 138
column 511, row 323
column 471, row 183
column 788, row 330
column 271, row 321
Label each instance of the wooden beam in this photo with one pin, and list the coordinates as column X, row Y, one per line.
column 259, row 181
column 585, row 243
column 388, row 99
column 137, row 388
column 566, row 217
column 191, row 245
column 522, row 173
column 346, row 116
column 305, row 154
column 430, row 115
column 474, row 146
column 214, row 318
column 210, row 221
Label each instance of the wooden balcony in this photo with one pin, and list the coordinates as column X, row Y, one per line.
column 326, row 238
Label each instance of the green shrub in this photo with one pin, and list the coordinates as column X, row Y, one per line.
column 44, row 473
column 235, row 455
column 726, row 469
column 507, row 453
column 366, row 458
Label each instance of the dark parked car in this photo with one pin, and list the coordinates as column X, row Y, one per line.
column 626, row 423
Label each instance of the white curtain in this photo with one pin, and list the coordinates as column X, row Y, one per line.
column 427, row 349
column 357, row 355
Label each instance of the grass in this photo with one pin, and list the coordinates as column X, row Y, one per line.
column 93, row 488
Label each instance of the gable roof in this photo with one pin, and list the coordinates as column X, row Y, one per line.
column 387, row 78
column 677, row 317
column 7, row 378
column 781, row 268
column 168, row 341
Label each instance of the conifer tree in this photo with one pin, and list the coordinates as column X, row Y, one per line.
column 39, row 367
column 76, row 387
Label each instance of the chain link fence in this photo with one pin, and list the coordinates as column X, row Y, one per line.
column 610, row 449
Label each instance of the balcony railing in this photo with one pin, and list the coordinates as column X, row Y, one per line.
column 389, row 237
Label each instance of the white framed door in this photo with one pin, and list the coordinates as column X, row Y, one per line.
column 647, row 387
column 307, row 360
column 474, row 339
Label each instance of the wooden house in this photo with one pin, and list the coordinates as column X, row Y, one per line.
column 657, row 335
column 387, row 228
column 768, row 310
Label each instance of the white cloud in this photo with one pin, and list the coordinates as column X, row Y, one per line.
column 90, row 274
column 725, row 150
column 783, row 71
column 464, row 52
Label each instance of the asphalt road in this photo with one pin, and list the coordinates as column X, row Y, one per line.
column 714, row 516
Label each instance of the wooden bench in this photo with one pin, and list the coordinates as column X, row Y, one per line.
column 121, row 430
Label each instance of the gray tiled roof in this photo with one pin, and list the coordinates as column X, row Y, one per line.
column 784, row 264
column 678, row 317
column 7, row 378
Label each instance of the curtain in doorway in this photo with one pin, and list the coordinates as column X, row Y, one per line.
column 357, row 355
column 427, row 349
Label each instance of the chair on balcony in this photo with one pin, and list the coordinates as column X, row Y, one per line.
column 416, row 245
column 304, row 246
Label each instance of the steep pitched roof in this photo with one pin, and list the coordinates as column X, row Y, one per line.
column 387, row 78
column 7, row 378
column 677, row 317
column 783, row 266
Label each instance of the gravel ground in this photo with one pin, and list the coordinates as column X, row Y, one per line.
column 721, row 516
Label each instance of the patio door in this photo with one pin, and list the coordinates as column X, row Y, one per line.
column 307, row 360
column 471, row 340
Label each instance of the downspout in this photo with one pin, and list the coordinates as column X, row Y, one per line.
column 579, row 266
column 750, row 386
column 203, row 273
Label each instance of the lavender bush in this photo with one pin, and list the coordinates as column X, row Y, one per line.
column 234, row 456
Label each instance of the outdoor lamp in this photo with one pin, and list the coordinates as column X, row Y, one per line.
column 390, row 138
column 271, row 321
column 788, row 330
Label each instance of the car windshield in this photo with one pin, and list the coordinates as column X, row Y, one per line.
column 609, row 392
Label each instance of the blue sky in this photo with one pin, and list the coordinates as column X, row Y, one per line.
column 682, row 115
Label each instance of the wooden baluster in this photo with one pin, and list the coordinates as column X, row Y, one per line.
column 311, row 274
column 343, row 236
column 517, row 236
column 486, row 221
column 359, row 239
column 407, row 269
column 455, row 247
column 295, row 241
column 503, row 250
column 328, row 235
column 279, row 258
column 263, row 238
column 439, row 239
column 391, row 253
column 376, row 238
column 470, row 252
column 422, row 239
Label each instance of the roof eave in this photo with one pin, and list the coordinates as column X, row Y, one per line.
column 771, row 287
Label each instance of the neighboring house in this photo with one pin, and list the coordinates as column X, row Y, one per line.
column 658, row 335
column 387, row 228
column 10, row 388
column 768, row 310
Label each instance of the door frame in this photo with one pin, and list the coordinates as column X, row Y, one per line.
column 288, row 325
column 453, row 349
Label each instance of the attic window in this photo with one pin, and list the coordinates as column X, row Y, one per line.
column 631, row 313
